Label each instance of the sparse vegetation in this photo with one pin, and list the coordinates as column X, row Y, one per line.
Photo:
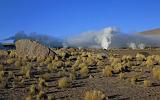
column 147, row 83
column 63, row 82
column 74, row 70
column 140, row 57
column 84, row 71
column 107, row 71
column 95, row 95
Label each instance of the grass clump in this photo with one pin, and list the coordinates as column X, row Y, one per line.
column 107, row 71
column 63, row 82
column 3, row 53
column 84, row 71
column 95, row 95
column 133, row 80
column 10, row 61
column 147, row 83
column 127, row 58
column 29, row 97
column 32, row 89
column 140, row 57
column 1, row 68
column 122, row 76
column 156, row 73
column 40, row 95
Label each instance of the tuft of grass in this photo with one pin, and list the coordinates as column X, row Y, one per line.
column 107, row 71
column 3, row 53
column 149, row 61
column 1, row 67
column 95, row 95
column 122, row 76
column 147, row 83
column 18, row 63
column 49, row 98
column 32, row 89
column 140, row 57
column 40, row 95
column 84, row 71
column 133, row 80
column 41, row 83
column 13, row 54
column 28, row 74
column 29, row 97
column 156, row 73
column 72, row 76
column 10, row 61
column 63, row 82
column 127, row 58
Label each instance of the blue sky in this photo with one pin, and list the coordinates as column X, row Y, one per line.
column 62, row 18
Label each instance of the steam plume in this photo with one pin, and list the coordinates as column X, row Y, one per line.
column 99, row 39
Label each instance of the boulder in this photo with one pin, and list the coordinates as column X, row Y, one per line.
column 32, row 49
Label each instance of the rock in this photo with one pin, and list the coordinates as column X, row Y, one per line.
column 32, row 49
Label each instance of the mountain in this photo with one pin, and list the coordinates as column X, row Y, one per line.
column 153, row 32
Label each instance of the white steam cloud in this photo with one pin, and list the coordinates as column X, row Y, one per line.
column 111, row 38
column 99, row 39
column 136, row 46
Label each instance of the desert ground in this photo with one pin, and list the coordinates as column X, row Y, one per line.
column 81, row 74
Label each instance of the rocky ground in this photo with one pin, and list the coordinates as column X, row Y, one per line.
column 118, row 74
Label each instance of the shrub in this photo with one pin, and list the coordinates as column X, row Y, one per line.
column 133, row 80
column 1, row 75
column 127, row 57
column 27, row 75
column 147, row 83
column 40, row 59
column 1, row 68
column 149, row 63
column 50, row 67
column 68, row 63
column 99, row 56
column 156, row 73
column 18, row 63
column 84, row 71
column 95, row 95
column 72, row 76
column 140, row 57
column 49, row 98
column 48, row 60
column 121, row 76
column 63, row 82
column 40, row 95
column 32, row 89
column 13, row 54
column 118, row 68
column 107, row 71
column 10, row 61
column 25, row 69
column 82, row 65
column 157, row 59
column 3, row 53
column 41, row 83
column 58, row 64
column 46, row 76
column 11, row 74
column 115, row 61
column 90, row 61
column 29, row 97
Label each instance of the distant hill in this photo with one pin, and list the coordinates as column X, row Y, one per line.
column 153, row 32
